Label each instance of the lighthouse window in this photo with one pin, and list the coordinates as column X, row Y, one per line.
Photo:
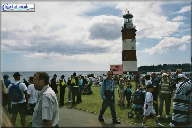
column 126, row 20
column 130, row 20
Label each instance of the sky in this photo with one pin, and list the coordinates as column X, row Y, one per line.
column 86, row 35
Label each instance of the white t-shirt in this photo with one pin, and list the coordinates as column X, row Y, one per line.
column 33, row 94
column 149, row 99
column 149, row 102
column 23, row 88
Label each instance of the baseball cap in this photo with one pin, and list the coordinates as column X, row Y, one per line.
column 16, row 74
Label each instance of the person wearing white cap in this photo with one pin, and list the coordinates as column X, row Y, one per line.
column 181, row 78
column 165, row 95
column 182, row 100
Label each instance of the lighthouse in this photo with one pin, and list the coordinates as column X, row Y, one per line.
column 129, row 58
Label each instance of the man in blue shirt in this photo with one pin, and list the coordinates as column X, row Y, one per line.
column 108, row 96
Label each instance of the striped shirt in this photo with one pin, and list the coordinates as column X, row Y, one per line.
column 182, row 103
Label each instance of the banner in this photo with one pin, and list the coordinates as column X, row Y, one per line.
column 116, row 69
column 9, row 7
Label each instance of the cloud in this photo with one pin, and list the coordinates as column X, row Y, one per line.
column 184, row 9
column 178, row 18
column 76, row 62
column 183, row 47
column 49, row 45
column 63, row 31
column 105, row 27
column 168, row 43
column 149, row 19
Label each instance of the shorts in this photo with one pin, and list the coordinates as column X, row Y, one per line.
column 19, row 108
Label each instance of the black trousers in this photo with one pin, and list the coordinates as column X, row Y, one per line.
column 79, row 95
column 75, row 91
column 62, row 95
column 111, row 104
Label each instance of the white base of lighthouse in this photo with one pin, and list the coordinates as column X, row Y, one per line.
column 130, row 66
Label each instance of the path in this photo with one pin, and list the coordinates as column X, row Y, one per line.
column 76, row 118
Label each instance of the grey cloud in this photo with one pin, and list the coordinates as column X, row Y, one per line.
column 50, row 45
column 105, row 31
column 70, row 49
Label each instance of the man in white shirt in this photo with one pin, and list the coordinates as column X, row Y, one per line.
column 33, row 94
column 18, row 105
column 46, row 111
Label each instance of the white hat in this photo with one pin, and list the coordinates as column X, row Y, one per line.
column 182, row 76
column 164, row 74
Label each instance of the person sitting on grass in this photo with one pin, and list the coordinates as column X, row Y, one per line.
column 148, row 105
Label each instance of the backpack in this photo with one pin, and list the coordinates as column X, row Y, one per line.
column 15, row 93
column 139, row 97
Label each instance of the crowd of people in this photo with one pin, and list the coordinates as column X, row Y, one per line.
column 76, row 86
column 41, row 96
column 153, row 93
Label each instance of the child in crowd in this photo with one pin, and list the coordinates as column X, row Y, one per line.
column 148, row 105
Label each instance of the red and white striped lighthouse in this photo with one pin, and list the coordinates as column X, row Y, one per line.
column 129, row 57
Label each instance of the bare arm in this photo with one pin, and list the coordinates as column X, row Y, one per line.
column 26, row 96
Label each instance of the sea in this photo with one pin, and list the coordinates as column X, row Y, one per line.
column 67, row 74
